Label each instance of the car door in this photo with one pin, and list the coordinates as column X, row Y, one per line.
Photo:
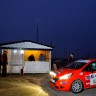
column 93, row 75
column 89, row 75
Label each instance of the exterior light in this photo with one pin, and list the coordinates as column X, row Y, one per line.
column 52, row 73
column 22, row 51
column 66, row 76
column 15, row 51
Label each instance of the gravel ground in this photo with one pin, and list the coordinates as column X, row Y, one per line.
column 43, row 81
column 34, row 85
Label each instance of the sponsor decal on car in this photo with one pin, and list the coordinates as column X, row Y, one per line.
column 93, row 79
column 64, row 82
column 87, row 77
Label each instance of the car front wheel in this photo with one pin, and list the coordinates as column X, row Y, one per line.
column 77, row 86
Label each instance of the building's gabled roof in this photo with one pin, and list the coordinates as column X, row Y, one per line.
column 26, row 44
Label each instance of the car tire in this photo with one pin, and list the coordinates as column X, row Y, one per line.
column 77, row 86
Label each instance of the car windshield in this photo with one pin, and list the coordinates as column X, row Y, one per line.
column 75, row 65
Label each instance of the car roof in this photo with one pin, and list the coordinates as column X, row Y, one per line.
column 84, row 61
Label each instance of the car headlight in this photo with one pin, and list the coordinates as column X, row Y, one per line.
column 52, row 73
column 66, row 76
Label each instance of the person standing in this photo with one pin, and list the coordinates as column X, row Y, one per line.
column 0, row 63
column 31, row 58
column 4, row 64
column 42, row 57
column 71, row 58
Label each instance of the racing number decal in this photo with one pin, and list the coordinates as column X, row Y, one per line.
column 93, row 79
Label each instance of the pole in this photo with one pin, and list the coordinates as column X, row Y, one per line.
column 37, row 34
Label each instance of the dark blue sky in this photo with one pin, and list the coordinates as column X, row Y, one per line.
column 67, row 24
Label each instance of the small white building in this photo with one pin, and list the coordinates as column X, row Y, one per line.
column 18, row 53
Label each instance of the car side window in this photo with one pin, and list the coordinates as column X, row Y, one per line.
column 87, row 68
column 90, row 67
column 94, row 66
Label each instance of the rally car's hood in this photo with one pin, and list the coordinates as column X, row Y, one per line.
column 64, row 71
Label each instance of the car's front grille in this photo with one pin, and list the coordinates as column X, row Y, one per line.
column 56, row 79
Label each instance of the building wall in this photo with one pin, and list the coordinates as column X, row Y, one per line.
column 16, row 60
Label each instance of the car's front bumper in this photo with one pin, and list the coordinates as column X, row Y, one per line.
column 60, row 84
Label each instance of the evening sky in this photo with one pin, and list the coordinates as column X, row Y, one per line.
column 68, row 25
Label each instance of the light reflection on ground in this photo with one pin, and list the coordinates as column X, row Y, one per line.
column 30, row 87
column 17, row 87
